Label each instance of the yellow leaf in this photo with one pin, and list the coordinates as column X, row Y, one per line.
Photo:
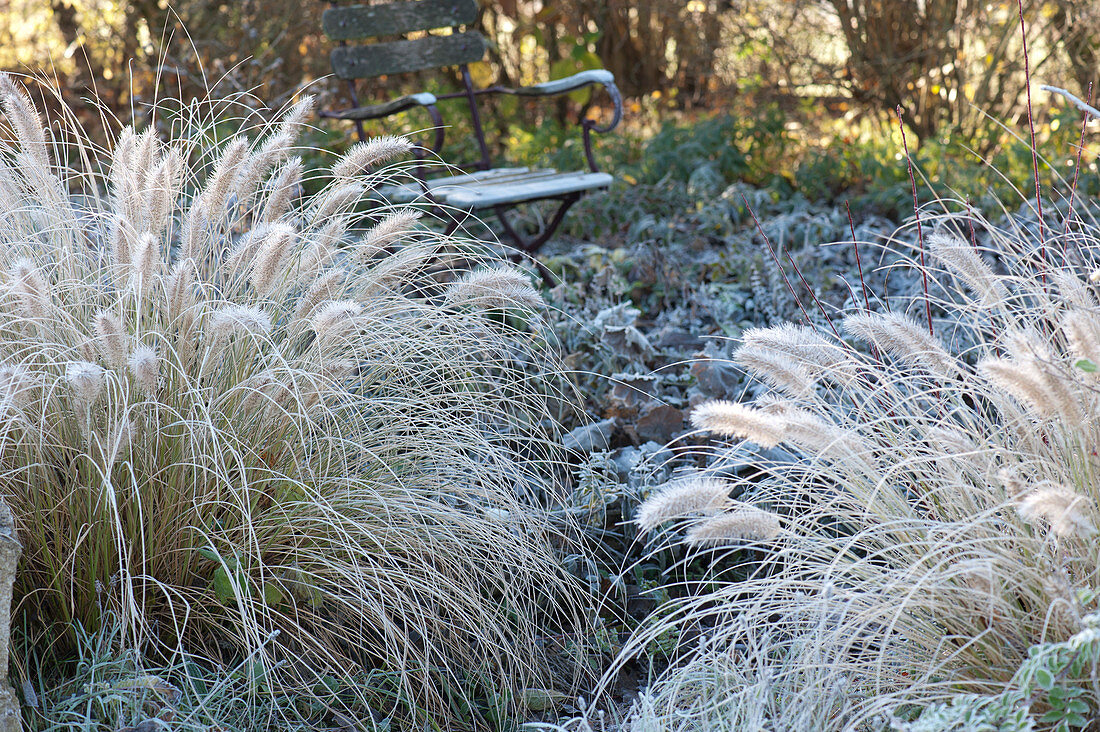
column 482, row 73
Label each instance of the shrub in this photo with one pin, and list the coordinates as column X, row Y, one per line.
column 926, row 541
column 254, row 433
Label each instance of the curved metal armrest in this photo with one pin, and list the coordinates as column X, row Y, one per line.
column 573, row 83
column 376, row 111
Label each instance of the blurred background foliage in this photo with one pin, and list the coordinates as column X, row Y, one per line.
column 808, row 87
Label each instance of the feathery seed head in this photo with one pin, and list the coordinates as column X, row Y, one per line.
column 731, row 419
column 122, row 165
column 120, row 240
column 1025, row 344
column 242, row 256
column 212, row 200
column 392, row 272
column 813, row 352
column 363, row 155
column 282, row 190
column 387, row 232
column 815, row 434
column 110, row 339
column 299, row 114
column 24, row 118
column 904, row 339
column 146, row 260
column 500, row 287
column 323, row 288
column 1082, row 332
column 951, row 439
column 1067, row 512
column 274, row 149
column 230, row 320
column 30, row 287
column 336, row 200
column 144, row 364
column 1024, row 382
column 335, row 318
column 165, row 185
column 681, row 498
column 1037, row 384
column 179, row 289
column 776, row 369
column 271, row 252
column 314, row 257
column 16, row 385
column 87, row 381
column 743, row 522
column 333, row 232
column 963, row 261
column 1072, row 290
column 144, row 160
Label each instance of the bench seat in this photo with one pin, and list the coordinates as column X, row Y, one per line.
column 500, row 186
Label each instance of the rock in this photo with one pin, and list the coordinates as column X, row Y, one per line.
column 590, row 437
column 660, row 424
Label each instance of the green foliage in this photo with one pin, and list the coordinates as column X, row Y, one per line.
column 249, row 433
column 1054, row 689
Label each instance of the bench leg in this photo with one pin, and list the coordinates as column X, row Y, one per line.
column 531, row 245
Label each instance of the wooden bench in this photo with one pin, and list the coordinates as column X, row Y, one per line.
column 445, row 40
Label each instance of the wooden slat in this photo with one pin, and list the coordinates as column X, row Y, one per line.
column 357, row 22
column 405, row 192
column 489, row 177
column 500, row 186
column 397, row 57
column 474, row 197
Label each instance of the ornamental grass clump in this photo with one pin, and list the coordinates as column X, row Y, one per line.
column 922, row 550
column 253, row 437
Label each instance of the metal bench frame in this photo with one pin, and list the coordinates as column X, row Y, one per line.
column 498, row 189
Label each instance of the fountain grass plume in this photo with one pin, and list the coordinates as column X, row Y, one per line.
column 938, row 517
column 202, row 454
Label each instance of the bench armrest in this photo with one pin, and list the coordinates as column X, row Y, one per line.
column 573, row 83
column 377, row 111
column 567, row 84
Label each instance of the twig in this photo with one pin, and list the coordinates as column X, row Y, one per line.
column 778, row 264
column 1076, row 173
column 855, row 245
column 920, row 231
column 1076, row 101
column 1034, row 152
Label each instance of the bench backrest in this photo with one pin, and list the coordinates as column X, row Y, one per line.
column 364, row 22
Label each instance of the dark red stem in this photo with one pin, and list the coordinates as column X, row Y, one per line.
column 813, row 295
column 1076, row 173
column 970, row 223
column 771, row 251
column 855, row 246
column 920, row 230
column 1031, row 127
